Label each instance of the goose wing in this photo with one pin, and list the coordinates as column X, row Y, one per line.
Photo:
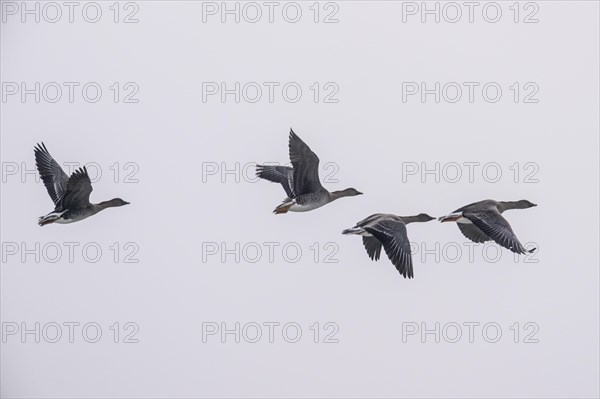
column 283, row 175
column 393, row 237
column 473, row 232
column 373, row 247
column 78, row 191
column 54, row 178
column 493, row 224
column 305, row 165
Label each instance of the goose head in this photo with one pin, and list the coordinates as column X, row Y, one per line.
column 349, row 192
column 118, row 202
column 524, row 204
column 423, row 217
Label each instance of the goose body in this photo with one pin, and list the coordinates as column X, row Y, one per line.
column 306, row 202
column 483, row 221
column 388, row 231
column 70, row 194
column 301, row 181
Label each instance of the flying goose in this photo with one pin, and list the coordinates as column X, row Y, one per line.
column 390, row 231
column 482, row 221
column 301, row 181
column 71, row 195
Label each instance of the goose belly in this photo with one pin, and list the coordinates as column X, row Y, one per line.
column 66, row 221
column 305, row 208
column 73, row 216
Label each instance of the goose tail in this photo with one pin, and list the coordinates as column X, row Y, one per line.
column 451, row 217
column 284, row 207
column 354, row 230
column 49, row 218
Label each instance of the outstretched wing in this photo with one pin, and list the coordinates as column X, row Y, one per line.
column 54, row 178
column 392, row 235
column 497, row 228
column 473, row 232
column 305, row 165
column 283, row 175
column 78, row 191
column 373, row 247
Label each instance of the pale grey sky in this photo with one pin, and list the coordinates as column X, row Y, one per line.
column 171, row 150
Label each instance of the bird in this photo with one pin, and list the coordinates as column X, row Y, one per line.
column 389, row 231
column 482, row 221
column 71, row 195
column 301, row 181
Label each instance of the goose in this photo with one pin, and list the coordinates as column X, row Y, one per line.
column 71, row 195
column 482, row 221
column 389, row 231
column 301, row 181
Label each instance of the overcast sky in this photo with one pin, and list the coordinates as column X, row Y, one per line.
column 167, row 135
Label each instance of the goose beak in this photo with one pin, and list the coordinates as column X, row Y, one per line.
column 359, row 193
column 127, row 203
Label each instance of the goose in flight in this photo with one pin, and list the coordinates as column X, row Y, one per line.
column 482, row 221
column 388, row 231
column 71, row 195
column 301, row 181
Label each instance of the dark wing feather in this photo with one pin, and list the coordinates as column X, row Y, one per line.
column 54, row 178
column 373, row 247
column 497, row 228
column 306, row 167
column 473, row 232
column 277, row 174
column 392, row 235
column 78, row 192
